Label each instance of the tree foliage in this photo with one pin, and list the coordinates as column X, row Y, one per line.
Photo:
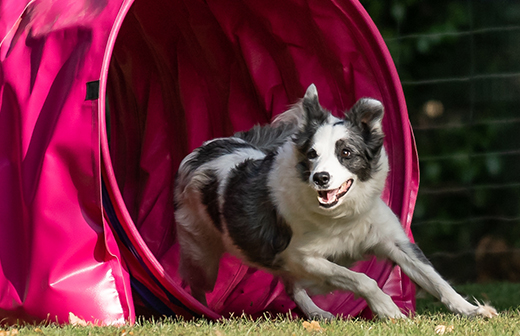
column 458, row 63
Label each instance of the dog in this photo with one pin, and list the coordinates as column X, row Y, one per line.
column 301, row 199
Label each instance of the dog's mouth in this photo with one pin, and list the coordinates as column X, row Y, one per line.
column 329, row 198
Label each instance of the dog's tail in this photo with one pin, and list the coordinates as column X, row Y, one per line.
column 268, row 138
column 293, row 116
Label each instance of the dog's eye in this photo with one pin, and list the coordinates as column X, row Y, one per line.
column 345, row 153
column 312, row 154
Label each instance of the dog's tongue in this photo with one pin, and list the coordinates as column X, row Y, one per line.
column 327, row 196
column 331, row 196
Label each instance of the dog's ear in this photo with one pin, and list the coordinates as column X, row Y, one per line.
column 307, row 111
column 367, row 113
column 311, row 106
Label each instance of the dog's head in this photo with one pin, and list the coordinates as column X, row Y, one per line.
column 337, row 155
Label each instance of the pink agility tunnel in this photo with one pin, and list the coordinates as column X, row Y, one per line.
column 101, row 100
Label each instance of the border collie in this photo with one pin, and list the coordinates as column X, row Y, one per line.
column 301, row 199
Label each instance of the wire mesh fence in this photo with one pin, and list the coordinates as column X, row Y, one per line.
column 460, row 70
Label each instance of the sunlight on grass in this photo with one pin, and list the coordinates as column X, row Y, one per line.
column 431, row 319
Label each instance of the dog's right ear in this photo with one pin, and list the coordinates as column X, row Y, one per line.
column 314, row 113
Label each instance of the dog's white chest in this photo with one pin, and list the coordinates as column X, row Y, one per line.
column 349, row 242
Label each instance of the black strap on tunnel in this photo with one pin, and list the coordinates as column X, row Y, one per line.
column 92, row 90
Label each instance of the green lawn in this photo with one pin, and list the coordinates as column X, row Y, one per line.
column 431, row 319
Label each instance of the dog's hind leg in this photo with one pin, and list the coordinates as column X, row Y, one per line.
column 200, row 252
column 200, row 273
column 304, row 302
column 196, row 277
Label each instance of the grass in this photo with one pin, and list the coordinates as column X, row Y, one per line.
column 431, row 319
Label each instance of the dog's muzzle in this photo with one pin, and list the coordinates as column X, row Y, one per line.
column 329, row 198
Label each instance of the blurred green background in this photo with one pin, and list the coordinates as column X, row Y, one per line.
column 459, row 64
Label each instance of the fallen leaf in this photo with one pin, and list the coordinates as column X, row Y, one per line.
column 38, row 330
column 9, row 332
column 76, row 321
column 442, row 329
column 312, row 326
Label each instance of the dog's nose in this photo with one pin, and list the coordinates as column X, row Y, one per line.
column 321, row 178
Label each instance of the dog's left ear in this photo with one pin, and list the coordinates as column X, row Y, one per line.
column 368, row 114
column 312, row 107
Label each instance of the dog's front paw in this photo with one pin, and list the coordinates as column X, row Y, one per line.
column 392, row 316
column 389, row 311
column 321, row 316
column 486, row 311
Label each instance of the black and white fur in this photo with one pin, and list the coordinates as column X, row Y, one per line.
column 301, row 199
